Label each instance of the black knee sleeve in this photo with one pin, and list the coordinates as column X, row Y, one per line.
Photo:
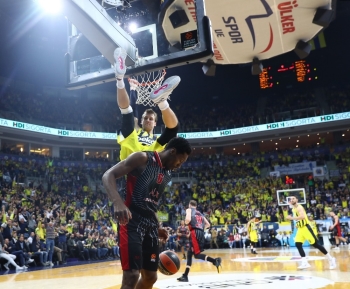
column 300, row 249
column 189, row 258
column 319, row 247
column 200, row 256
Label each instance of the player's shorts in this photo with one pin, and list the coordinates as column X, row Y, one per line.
column 197, row 241
column 183, row 242
column 139, row 243
column 131, row 144
column 337, row 231
column 305, row 234
column 253, row 236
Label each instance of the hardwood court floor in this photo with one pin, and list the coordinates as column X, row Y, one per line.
column 270, row 269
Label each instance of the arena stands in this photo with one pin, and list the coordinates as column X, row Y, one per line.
column 86, row 114
column 230, row 190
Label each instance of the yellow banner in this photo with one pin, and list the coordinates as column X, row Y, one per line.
column 163, row 217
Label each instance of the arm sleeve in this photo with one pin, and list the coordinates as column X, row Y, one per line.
column 167, row 135
column 127, row 124
column 133, row 99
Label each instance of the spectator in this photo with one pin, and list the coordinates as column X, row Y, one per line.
column 213, row 240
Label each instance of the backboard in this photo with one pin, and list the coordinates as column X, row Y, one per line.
column 156, row 37
column 283, row 196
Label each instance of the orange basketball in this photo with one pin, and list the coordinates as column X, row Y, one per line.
column 169, row 263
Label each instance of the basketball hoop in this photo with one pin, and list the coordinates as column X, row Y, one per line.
column 144, row 84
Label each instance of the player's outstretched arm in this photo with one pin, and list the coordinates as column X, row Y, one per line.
column 206, row 223
column 120, row 69
column 160, row 97
column 188, row 216
column 136, row 161
column 169, row 118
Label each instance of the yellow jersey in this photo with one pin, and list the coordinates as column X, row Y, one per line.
column 252, row 227
column 138, row 141
column 313, row 227
column 300, row 223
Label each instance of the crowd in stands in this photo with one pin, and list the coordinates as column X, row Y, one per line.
column 229, row 190
column 338, row 99
column 81, row 113
column 294, row 105
column 80, row 218
column 60, row 112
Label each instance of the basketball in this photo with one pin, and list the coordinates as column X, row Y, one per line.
column 169, row 263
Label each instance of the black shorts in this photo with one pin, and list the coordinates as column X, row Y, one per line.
column 183, row 242
column 139, row 243
column 197, row 241
column 337, row 231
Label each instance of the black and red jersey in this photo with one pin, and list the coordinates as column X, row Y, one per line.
column 143, row 192
column 183, row 230
column 197, row 220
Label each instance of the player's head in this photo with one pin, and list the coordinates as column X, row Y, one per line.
column 182, row 223
column 332, row 213
column 149, row 120
column 176, row 153
column 311, row 217
column 192, row 204
column 293, row 200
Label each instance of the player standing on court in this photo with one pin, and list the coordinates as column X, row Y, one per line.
column 253, row 234
column 148, row 174
column 305, row 233
column 142, row 139
column 183, row 234
column 197, row 224
column 336, row 231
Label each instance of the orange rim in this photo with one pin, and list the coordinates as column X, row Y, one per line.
column 149, row 83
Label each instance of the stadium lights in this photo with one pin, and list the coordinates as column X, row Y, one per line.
column 50, row 7
column 132, row 27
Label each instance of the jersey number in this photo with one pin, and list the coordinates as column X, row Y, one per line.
column 160, row 178
column 199, row 220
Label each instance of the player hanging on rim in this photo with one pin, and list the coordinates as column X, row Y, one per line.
column 197, row 224
column 183, row 234
column 252, row 228
column 135, row 139
column 305, row 233
column 336, row 231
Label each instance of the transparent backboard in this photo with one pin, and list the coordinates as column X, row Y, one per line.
column 156, row 37
column 283, row 196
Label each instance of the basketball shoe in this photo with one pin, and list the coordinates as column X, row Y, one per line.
column 183, row 278
column 332, row 264
column 162, row 93
column 304, row 265
column 336, row 249
column 217, row 264
column 119, row 64
column 253, row 251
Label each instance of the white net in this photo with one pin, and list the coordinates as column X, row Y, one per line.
column 145, row 84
